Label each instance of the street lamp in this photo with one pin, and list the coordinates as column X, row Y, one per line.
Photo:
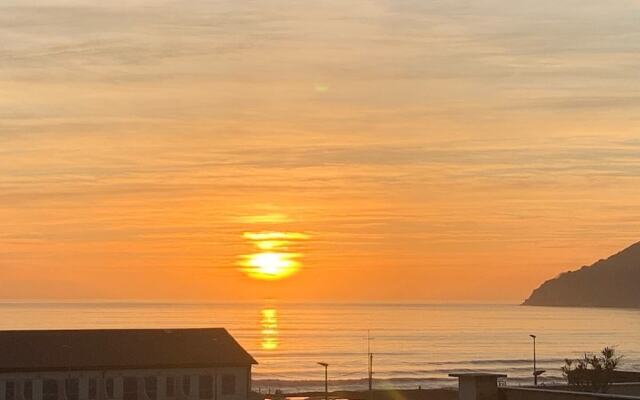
column 536, row 373
column 326, row 381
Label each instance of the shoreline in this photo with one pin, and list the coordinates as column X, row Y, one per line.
column 378, row 394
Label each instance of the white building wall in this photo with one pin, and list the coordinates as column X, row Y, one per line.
column 241, row 376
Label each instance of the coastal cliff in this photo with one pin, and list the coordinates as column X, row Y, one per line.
column 613, row 282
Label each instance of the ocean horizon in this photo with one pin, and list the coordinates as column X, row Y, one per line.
column 413, row 344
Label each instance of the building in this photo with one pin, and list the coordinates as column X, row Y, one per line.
column 123, row 364
column 490, row 386
column 478, row 385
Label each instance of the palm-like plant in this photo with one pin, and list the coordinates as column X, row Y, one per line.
column 592, row 372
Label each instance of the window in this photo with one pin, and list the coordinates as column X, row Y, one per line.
column 205, row 387
column 10, row 390
column 130, row 389
column 72, row 388
column 186, row 385
column 228, row 384
column 27, row 390
column 50, row 389
column 93, row 388
column 170, row 389
column 151, row 387
column 109, row 388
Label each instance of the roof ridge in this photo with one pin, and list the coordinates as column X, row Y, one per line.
column 114, row 330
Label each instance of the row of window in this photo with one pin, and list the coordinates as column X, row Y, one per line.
column 51, row 389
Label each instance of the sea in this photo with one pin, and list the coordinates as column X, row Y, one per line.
column 413, row 345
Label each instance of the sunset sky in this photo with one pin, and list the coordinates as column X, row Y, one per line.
column 402, row 149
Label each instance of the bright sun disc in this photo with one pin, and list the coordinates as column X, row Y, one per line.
column 270, row 265
column 277, row 254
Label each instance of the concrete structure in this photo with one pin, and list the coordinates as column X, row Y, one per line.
column 478, row 385
column 485, row 386
column 123, row 364
column 625, row 376
column 513, row 393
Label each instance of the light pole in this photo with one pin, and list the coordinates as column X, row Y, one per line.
column 535, row 372
column 326, row 380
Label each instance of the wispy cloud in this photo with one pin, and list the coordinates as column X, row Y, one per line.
column 425, row 135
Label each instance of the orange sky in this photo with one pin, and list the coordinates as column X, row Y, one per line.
column 432, row 151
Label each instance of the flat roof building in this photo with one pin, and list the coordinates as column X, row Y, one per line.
column 123, row 364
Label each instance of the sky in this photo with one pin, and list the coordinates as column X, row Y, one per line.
column 406, row 150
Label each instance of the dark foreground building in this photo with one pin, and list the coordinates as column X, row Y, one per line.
column 123, row 364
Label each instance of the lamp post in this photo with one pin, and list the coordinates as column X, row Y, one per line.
column 326, row 380
column 535, row 372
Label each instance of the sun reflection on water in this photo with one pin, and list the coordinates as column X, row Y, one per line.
column 269, row 323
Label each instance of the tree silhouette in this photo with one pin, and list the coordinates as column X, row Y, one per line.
column 592, row 372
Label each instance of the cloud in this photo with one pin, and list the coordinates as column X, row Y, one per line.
column 149, row 135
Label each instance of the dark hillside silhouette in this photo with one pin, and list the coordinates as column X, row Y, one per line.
column 614, row 282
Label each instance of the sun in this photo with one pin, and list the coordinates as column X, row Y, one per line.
column 270, row 265
column 278, row 254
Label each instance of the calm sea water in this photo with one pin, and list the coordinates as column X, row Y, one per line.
column 413, row 344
